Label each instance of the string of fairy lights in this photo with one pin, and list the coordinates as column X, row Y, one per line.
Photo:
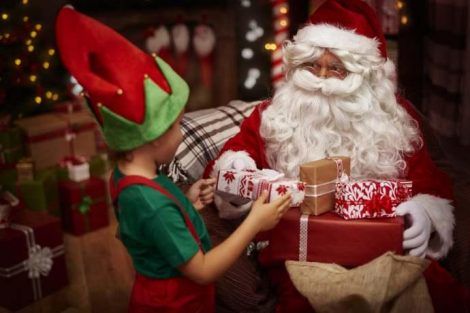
column 28, row 62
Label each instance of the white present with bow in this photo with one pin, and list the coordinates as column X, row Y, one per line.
column 243, row 186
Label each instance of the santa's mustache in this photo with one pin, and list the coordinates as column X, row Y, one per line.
column 302, row 78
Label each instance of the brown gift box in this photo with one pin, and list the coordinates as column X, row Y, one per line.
column 83, row 125
column 320, row 178
column 51, row 137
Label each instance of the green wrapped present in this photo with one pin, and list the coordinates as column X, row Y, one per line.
column 42, row 193
column 99, row 165
column 11, row 145
column 62, row 173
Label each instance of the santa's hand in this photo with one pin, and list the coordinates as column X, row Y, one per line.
column 416, row 237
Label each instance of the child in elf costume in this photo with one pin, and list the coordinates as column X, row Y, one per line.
column 138, row 101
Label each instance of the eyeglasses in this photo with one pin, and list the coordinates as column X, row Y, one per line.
column 333, row 70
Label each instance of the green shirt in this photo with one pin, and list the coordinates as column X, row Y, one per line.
column 153, row 229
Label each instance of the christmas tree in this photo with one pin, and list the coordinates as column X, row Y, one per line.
column 31, row 78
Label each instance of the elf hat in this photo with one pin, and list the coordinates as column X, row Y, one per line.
column 134, row 96
column 350, row 25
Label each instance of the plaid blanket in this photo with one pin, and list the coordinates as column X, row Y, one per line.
column 204, row 134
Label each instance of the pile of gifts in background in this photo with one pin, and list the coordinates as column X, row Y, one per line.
column 52, row 178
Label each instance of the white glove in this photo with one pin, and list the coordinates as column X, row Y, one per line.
column 416, row 237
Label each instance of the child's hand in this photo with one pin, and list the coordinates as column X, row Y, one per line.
column 267, row 215
column 201, row 193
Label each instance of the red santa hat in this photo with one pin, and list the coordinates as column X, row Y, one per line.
column 350, row 25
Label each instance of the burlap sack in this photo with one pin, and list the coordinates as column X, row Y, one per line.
column 390, row 283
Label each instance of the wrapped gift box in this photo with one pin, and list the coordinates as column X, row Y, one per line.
column 84, row 205
column 32, row 262
column 11, row 145
column 51, row 137
column 329, row 238
column 232, row 184
column 81, row 126
column 320, row 178
column 99, row 165
column 42, row 193
column 371, row 198
column 25, row 169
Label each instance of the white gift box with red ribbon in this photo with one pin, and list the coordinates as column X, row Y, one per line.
column 242, row 186
column 370, row 198
column 77, row 167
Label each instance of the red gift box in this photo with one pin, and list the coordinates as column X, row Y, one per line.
column 329, row 238
column 370, row 198
column 32, row 262
column 84, row 206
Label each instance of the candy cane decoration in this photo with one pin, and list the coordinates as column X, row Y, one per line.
column 281, row 32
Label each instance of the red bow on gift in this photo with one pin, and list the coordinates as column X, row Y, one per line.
column 377, row 203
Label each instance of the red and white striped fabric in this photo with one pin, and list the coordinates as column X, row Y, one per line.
column 281, row 32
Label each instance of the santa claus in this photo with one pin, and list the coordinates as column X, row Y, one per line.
column 339, row 98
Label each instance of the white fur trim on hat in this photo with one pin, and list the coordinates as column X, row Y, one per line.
column 440, row 211
column 330, row 36
column 226, row 159
column 159, row 40
column 203, row 40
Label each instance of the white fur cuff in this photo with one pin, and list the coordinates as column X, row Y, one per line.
column 225, row 161
column 440, row 211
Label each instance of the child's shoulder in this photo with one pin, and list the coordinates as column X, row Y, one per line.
column 143, row 197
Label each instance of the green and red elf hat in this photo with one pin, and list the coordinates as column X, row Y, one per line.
column 135, row 97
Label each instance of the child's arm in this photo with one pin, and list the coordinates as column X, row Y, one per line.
column 205, row 268
column 201, row 193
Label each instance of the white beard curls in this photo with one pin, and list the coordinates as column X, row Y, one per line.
column 311, row 118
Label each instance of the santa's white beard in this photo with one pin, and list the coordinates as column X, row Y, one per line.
column 312, row 118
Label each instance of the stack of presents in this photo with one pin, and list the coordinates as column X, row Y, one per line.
column 333, row 218
column 52, row 169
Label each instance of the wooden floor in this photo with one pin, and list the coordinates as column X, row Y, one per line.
column 100, row 276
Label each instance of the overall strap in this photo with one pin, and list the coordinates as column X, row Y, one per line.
column 126, row 181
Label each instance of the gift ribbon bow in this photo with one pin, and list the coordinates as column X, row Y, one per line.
column 84, row 206
column 39, row 262
column 377, row 203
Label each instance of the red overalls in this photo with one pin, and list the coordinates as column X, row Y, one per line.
column 171, row 295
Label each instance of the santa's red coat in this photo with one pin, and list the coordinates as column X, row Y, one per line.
column 447, row 294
